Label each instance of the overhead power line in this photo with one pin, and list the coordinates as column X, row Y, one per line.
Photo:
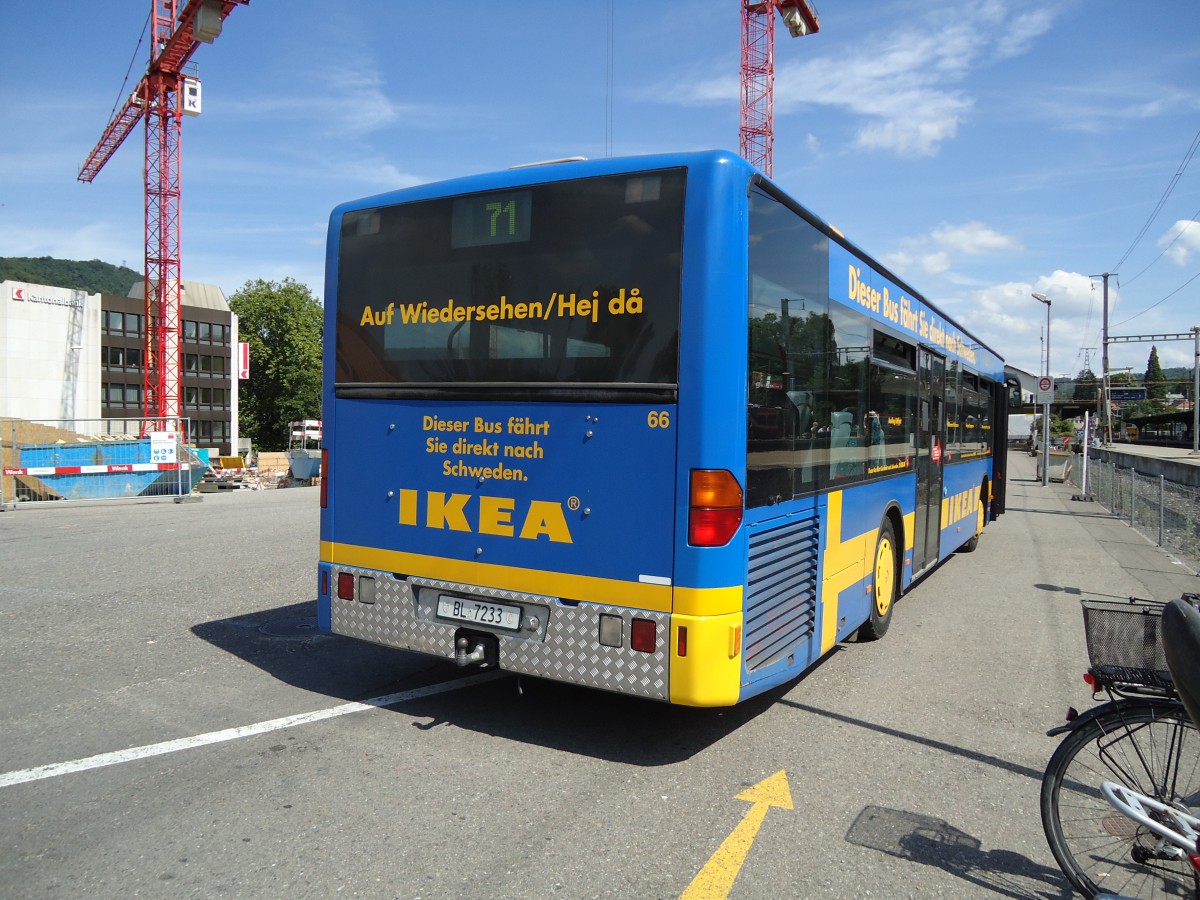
column 1187, row 158
column 1182, row 231
column 1163, row 300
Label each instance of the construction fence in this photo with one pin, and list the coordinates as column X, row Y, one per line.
column 1164, row 511
column 96, row 459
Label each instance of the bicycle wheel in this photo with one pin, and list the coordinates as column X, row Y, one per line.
column 1149, row 746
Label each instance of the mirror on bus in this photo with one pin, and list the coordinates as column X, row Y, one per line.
column 1014, row 392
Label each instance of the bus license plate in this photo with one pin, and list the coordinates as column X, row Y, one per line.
column 497, row 615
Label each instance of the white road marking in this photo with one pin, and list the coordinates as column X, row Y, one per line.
column 101, row 760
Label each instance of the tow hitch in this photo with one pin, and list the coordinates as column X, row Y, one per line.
column 473, row 648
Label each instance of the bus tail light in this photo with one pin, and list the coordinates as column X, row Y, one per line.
column 643, row 635
column 345, row 584
column 714, row 507
column 324, row 479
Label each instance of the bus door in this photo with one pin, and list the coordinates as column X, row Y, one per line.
column 931, row 441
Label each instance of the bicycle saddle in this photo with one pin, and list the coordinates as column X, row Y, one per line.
column 1181, row 646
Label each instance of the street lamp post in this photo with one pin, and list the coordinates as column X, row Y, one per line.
column 1041, row 298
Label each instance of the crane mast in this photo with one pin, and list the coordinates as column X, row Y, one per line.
column 177, row 29
column 757, row 131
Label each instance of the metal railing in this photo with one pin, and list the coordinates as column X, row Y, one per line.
column 1166, row 512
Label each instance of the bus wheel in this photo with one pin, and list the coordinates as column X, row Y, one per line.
column 885, row 587
column 980, row 513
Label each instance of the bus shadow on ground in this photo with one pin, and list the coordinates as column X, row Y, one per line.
column 285, row 643
column 934, row 842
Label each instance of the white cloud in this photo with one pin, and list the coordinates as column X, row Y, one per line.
column 899, row 261
column 356, row 101
column 373, row 172
column 1019, row 32
column 902, row 84
column 1182, row 242
column 350, row 99
column 936, row 263
column 934, row 252
column 973, row 238
column 103, row 240
column 1016, row 322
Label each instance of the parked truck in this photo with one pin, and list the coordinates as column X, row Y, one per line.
column 1020, row 430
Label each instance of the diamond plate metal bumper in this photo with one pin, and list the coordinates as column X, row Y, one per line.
column 564, row 645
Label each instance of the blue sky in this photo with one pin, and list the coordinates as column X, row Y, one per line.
column 984, row 149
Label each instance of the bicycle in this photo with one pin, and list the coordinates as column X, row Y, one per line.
column 1118, row 794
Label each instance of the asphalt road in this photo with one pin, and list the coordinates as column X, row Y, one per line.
column 164, row 653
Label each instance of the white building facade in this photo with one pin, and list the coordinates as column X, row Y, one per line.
column 67, row 355
column 49, row 352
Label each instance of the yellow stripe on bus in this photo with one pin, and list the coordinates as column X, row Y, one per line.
column 844, row 564
column 630, row 594
column 716, row 601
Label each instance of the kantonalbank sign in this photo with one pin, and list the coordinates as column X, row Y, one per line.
column 856, row 284
column 23, row 294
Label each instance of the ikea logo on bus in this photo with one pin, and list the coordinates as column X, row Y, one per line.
column 962, row 505
column 501, row 516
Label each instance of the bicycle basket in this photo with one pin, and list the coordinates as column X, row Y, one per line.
column 1123, row 641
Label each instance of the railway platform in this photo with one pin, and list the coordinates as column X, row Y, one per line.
column 1173, row 463
column 1085, row 538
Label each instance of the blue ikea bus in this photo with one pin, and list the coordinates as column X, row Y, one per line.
column 646, row 425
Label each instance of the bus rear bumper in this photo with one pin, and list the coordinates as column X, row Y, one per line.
column 589, row 644
column 706, row 659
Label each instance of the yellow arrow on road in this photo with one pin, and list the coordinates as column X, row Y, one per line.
column 715, row 880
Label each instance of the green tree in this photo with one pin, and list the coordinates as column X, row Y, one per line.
column 1125, row 379
column 1085, row 386
column 283, row 324
column 92, row 276
column 1136, row 408
column 1155, row 380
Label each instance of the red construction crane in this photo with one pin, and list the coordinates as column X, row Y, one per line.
column 758, row 71
column 177, row 29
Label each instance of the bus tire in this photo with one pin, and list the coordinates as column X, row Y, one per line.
column 980, row 518
column 885, row 584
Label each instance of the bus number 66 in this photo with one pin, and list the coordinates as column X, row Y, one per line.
column 659, row 419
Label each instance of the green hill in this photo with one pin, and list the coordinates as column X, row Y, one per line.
column 92, row 276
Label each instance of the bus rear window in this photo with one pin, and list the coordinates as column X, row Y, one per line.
column 570, row 283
